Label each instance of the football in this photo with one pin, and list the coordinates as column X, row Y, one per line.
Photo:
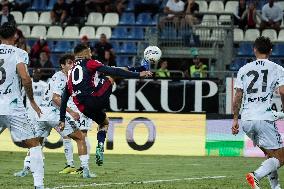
column 152, row 54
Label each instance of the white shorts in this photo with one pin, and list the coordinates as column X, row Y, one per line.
column 263, row 133
column 20, row 125
column 85, row 122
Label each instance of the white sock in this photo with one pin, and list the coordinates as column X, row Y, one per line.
column 268, row 166
column 68, row 151
column 37, row 165
column 88, row 145
column 27, row 163
column 84, row 160
column 273, row 180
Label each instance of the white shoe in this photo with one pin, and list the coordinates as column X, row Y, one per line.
column 22, row 173
column 252, row 181
column 87, row 174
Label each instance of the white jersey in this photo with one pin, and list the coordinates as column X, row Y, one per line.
column 258, row 80
column 10, row 83
column 39, row 89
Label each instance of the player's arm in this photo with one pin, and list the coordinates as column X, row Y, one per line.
column 27, row 83
column 56, row 98
column 123, row 73
column 63, row 104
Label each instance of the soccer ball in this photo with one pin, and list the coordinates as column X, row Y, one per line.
column 152, row 54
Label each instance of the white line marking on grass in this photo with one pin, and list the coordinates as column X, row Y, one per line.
column 153, row 163
column 138, row 182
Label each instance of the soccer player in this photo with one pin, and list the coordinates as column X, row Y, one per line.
column 13, row 70
column 91, row 89
column 255, row 84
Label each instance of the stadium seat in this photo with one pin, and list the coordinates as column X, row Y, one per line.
column 281, row 36
column 25, row 29
column 89, row 31
column 54, row 58
column 225, row 19
column 119, row 33
column 105, row 30
column 231, row 6
column 203, row 6
column 54, row 32
column 111, row 19
column 94, row 19
column 278, row 50
column 155, row 20
column 216, row 6
column 144, row 19
column 127, row 18
column 116, row 46
column 38, row 31
column 71, row 32
column 136, row 33
column 209, row 20
column 39, row 5
column 130, row 6
column 217, row 34
column 30, row 17
column 246, row 49
column 45, row 18
column 251, row 34
column 18, row 16
column 238, row 35
column 129, row 47
column 168, row 33
column 51, row 4
column 204, row 34
column 271, row 33
column 122, row 61
column 237, row 64
column 62, row 46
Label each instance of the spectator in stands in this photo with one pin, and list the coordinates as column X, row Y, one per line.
column 59, row 12
column 39, row 46
column 6, row 16
column 163, row 71
column 238, row 14
column 44, row 66
column 197, row 70
column 77, row 13
column 6, row 2
column 102, row 46
column 109, row 59
column 97, row 5
column 272, row 15
column 85, row 40
column 116, row 6
column 249, row 17
column 174, row 9
column 190, row 9
column 21, row 41
column 21, row 5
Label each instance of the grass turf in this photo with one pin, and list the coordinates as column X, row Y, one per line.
column 127, row 169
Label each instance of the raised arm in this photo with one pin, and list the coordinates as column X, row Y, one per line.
column 64, row 99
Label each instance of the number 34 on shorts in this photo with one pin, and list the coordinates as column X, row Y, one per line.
column 85, row 123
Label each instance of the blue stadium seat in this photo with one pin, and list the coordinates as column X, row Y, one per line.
column 51, row 4
column 144, row 19
column 278, row 50
column 39, row 5
column 119, row 33
column 155, row 20
column 237, row 64
column 116, row 46
column 62, row 46
column 54, row 58
column 136, row 33
column 246, row 49
column 122, row 61
column 129, row 47
column 168, row 33
column 127, row 18
column 130, row 6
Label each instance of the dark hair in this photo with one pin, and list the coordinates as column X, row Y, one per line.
column 8, row 30
column 65, row 57
column 263, row 45
column 79, row 48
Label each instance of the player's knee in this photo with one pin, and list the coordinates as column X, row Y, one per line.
column 104, row 125
column 77, row 136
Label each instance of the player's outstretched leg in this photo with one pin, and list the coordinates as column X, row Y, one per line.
column 68, row 151
column 101, row 136
column 25, row 171
column 83, row 155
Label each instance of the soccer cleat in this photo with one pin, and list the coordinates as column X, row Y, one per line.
column 22, row 173
column 87, row 174
column 67, row 169
column 252, row 181
column 77, row 171
column 100, row 154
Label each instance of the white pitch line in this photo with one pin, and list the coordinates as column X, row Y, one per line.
column 137, row 182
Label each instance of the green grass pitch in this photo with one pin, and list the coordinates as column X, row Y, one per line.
column 128, row 171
